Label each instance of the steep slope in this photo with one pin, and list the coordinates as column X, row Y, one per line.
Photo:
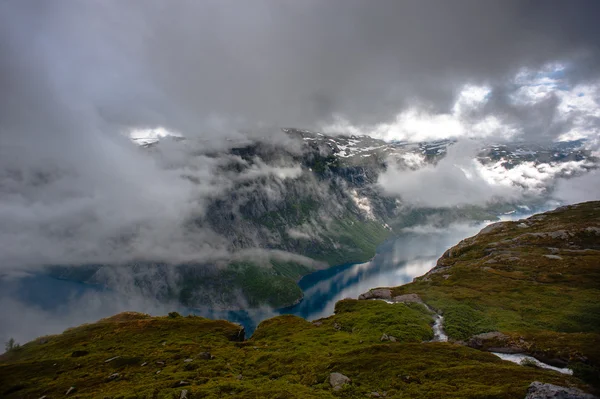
column 534, row 281
column 287, row 209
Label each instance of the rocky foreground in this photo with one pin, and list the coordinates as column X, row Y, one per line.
column 531, row 286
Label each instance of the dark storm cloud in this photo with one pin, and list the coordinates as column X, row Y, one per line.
column 209, row 65
column 75, row 74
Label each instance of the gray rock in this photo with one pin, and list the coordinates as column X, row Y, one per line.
column 184, row 394
column 144, row 364
column 407, row 298
column 70, row 391
column 188, row 360
column 494, row 341
column 392, row 338
column 540, row 390
column 377, row 293
column 317, row 323
column 385, row 337
column 111, row 359
column 552, row 256
column 337, row 327
column 338, row 380
column 239, row 377
column 492, row 227
column 113, row 376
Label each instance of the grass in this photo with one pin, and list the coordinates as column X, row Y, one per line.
column 503, row 280
column 497, row 280
column 287, row 357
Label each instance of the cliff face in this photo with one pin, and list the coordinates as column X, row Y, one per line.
column 530, row 286
column 282, row 209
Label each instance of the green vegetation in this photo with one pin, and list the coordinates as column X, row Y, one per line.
column 273, row 284
column 288, row 357
column 538, row 282
column 11, row 345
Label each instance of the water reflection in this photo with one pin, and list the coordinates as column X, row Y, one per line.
column 36, row 305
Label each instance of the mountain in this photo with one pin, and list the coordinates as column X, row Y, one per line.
column 312, row 201
column 529, row 286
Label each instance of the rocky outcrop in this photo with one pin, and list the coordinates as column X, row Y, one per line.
column 338, row 380
column 377, row 293
column 494, row 341
column 407, row 298
column 540, row 390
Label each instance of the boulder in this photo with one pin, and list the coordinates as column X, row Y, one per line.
column 540, row 390
column 377, row 293
column 494, row 341
column 408, row 298
column 338, row 380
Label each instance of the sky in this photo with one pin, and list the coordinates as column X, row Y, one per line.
column 78, row 78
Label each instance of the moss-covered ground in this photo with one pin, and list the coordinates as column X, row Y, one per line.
column 287, row 357
column 537, row 280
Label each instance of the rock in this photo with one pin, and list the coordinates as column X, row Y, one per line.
column 160, row 363
column 494, row 341
column 113, row 376
column 144, row 364
column 408, row 298
column 317, row 323
column 446, row 276
column 79, row 353
column 70, row 391
column 552, row 257
column 522, row 225
column 492, row 227
column 188, row 360
column 540, row 390
column 111, row 359
column 377, row 293
column 181, row 383
column 337, row 326
column 392, row 339
column 239, row 377
column 385, row 337
column 338, row 380
column 184, row 394
column 206, row 356
column 375, row 395
column 158, row 372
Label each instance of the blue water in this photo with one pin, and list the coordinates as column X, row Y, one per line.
column 39, row 304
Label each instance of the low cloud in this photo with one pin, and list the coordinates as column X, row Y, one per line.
column 454, row 180
column 579, row 189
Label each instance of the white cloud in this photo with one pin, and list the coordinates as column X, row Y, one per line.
column 577, row 111
column 455, row 180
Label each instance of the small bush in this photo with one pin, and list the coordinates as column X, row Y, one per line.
column 11, row 345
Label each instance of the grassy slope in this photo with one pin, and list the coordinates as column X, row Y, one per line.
column 287, row 357
column 503, row 280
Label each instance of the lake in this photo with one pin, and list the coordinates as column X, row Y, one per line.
column 32, row 305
